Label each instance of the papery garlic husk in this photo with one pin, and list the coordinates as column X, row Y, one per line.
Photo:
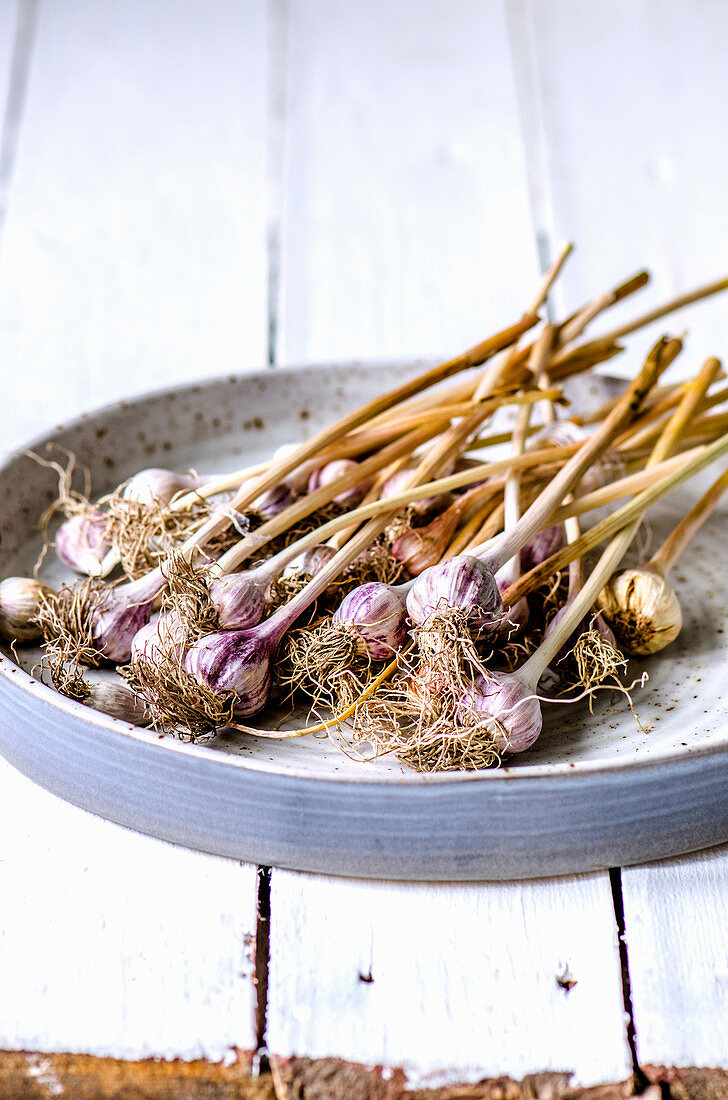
column 331, row 472
column 81, row 542
column 237, row 661
column 378, row 616
column 508, row 706
column 462, row 583
column 642, row 610
column 19, row 602
column 543, row 544
column 238, row 600
column 118, row 701
column 165, row 636
column 157, row 486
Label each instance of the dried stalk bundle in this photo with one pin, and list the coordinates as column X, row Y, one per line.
column 355, row 572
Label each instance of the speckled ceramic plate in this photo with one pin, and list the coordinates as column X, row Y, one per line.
column 597, row 790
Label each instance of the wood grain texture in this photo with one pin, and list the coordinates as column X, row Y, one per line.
column 32, row 1076
column 632, row 96
column 117, row 944
column 449, row 983
column 405, row 218
column 134, row 245
column 678, row 959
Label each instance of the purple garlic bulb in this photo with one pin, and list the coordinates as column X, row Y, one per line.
column 399, row 482
column 239, row 601
column 81, row 543
column 311, row 562
column 163, row 636
column 509, row 705
column 542, row 545
column 271, row 503
column 235, row 660
column 331, row 472
column 463, row 583
column 157, row 486
column 123, row 612
column 378, row 615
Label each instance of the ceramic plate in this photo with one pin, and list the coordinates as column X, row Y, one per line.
column 598, row 789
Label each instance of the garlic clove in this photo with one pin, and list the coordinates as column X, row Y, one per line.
column 543, row 544
column 20, row 599
column 238, row 661
column 642, row 609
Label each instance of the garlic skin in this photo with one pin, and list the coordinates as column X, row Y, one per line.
column 239, row 601
column 80, row 543
column 19, row 601
column 236, row 660
column 511, row 706
column 157, row 486
column 420, row 547
column 642, row 609
column 118, row 701
column 399, row 482
column 463, row 583
column 378, row 615
column 333, row 470
column 542, row 546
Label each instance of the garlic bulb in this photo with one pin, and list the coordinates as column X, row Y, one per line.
column 81, row 544
column 310, row 562
column 19, row 602
column 399, row 482
column 420, row 547
column 239, row 600
column 164, row 636
column 378, row 615
column 562, row 433
column 462, row 583
column 271, row 503
column 118, row 701
column 509, row 707
column 123, row 612
column 642, row 610
column 333, row 470
column 157, row 486
column 234, row 660
column 543, row 544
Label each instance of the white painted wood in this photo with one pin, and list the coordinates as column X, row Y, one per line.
column 406, row 224
column 134, row 250
column 9, row 14
column 634, row 96
column 677, row 940
column 114, row 943
column 464, row 977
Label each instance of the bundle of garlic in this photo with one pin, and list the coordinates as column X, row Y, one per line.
column 397, row 569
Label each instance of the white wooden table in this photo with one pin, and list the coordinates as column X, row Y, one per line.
column 199, row 186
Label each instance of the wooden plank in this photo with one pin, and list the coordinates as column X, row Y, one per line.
column 405, row 222
column 32, row 1076
column 117, row 944
column 12, row 68
column 677, row 941
column 631, row 99
column 448, row 982
column 134, row 250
